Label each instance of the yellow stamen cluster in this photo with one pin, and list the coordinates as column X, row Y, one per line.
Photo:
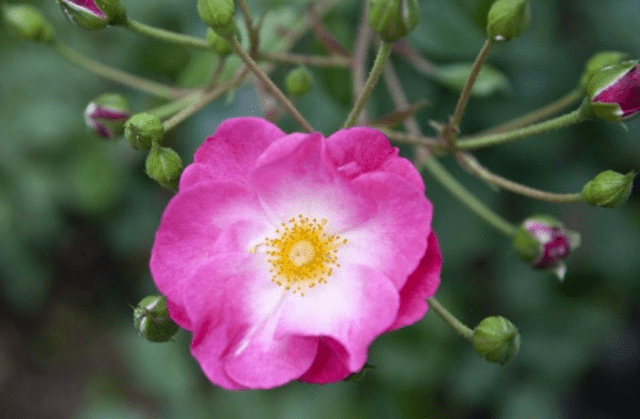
column 302, row 255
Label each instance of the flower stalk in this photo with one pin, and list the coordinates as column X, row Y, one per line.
column 378, row 66
column 450, row 319
column 119, row 76
column 165, row 35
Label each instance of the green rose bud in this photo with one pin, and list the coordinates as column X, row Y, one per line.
column 298, row 81
column 508, row 19
column 496, row 339
column 393, row 19
column 164, row 166
column 609, row 189
column 94, row 14
column 151, row 319
column 27, row 22
column 143, row 129
column 218, row 15
column 614, row 92
column 599, row 61
column 218, row 43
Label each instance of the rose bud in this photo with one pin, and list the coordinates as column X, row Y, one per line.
column 614, row 92
column 393, row 19
column 508, row 19
column 218, row 15
column 609, row 189
column 107, row 114
column 94, row 14
column 544, row 243
column 599, row 61
column 496, row 339
column 298, row 81
column 143, row 129
column 219, row 44
column 164, row 166
column 151, row 319
column 27, row 22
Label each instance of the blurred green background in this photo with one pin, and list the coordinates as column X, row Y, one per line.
column 78, row 215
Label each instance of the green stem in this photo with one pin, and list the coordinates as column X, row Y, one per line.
column 378, row 66
column 269, row 84
column 542, row 113
column 171, row 108
column 215, row 76
column 311, row 60
column 470, row 162
column 562, row 121
column 202, row 99
column 120, row 76
column 450, row 131
column 166, row 36
column 460, row 192
column 450, row 319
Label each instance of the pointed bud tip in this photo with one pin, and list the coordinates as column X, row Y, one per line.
column 107, row 114
column 508, row 19
column 614, row 92
column 94, row 14
column 393, row 19
column 608, row 189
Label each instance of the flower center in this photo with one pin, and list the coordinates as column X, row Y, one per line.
column 301, row 254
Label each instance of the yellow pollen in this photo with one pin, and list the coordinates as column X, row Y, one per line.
column 301, row 254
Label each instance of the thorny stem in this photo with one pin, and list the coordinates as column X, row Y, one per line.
column 537, row 115
column 374, row 75
column 166, row 36
column 450, row 319
column 471, row 164
column 119, row 76
column 562, row 121
column 424, row 159
column 450, row 131
column 269, row 84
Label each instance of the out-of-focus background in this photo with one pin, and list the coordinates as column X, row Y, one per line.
column 78, row 215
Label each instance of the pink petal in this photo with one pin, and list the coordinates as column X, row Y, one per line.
column 361, row 150
column 232, row 150
column 329, row 365
column 235, row 309
column 191, row 231
column 302, row 182
column 394, row 240
column 356, row 305
column 422, row 284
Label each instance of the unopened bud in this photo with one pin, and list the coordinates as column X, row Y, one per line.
column 614, row 92
column 609, row 189
column 27, row 22
column 496, row 339
column 164, row 166
column 94, row 14
column 218, row 43
column 218, row 15
column 107, row 114
column 599, row 61
column 508, row 19
column 152, row 321
column 298, row 81
column 393, row 19
column 544, row 243
column 143, row 129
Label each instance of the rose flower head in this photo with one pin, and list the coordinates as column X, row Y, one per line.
column 287, row 255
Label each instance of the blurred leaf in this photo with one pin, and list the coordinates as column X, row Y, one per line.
column 490, row 80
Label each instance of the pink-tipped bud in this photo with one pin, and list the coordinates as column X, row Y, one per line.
column 93, row 14
column 614, row 92
column 107, row 114
column 544, row 243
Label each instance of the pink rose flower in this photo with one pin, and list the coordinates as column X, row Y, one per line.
column 287, row 255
